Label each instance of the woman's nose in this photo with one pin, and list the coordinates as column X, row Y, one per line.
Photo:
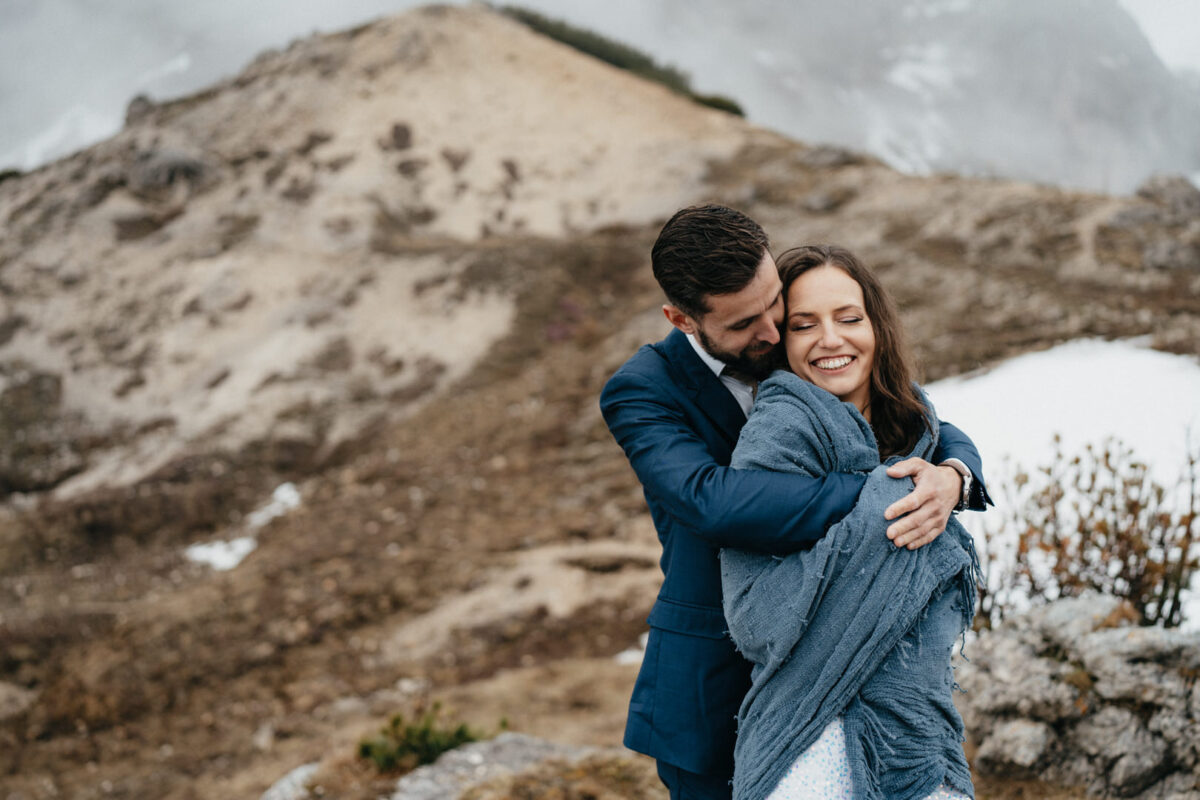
column 830, row 338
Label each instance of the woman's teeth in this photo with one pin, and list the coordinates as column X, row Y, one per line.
column 832, row 363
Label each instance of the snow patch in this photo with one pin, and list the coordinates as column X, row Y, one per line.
column 633, row 655
column 1085, row 391
column 285, row 497
column 225, row 555
column 222, row 556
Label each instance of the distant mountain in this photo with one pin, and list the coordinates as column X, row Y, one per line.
column 1064, row 93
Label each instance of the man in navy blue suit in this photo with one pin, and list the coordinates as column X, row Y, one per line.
column 676, row 408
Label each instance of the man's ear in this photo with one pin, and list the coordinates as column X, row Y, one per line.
column 679, row 319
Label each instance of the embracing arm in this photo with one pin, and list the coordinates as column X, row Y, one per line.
column 747, row 509
column 922, row 515
column 953, row 443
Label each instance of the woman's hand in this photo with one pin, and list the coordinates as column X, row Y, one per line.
column 925, row 511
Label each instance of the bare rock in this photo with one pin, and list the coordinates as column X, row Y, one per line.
column 1016, row 747
column 155, row 174
column 1074, row 694
column 9, row 327
column 1161, row 231
column 14, row 701
column 140, row 225
column 293, row 786
column 827, row 200
column 831, row 157
column 1067, row 620
column 138, row 109
column 38, row 441
column 475, row 763
column 1174, row 192
column 1144, row 665
column 1016, row 682
column 1182, row 735
column 1171, row 254
column 1123, row 747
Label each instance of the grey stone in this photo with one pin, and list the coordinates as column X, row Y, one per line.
column 292, row 786
column 38, row 439
column 14, row 700
column 1136, row 770
column 1067, row 620
column 1170, row 254
column 1181, row 733
column 1172, row 647
column 1117, row 736
column 829, row 156
column 1173, row 191
column 155, row 173
column 1016, row 682
column 1059, row 694
column 1015, row 747
column 1141, row 664
column 466, row 766
column 1097, row 734
column 1174, row 787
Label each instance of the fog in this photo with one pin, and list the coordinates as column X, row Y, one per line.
column 1073, row 93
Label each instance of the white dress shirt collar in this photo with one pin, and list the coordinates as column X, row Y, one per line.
column 743, row 393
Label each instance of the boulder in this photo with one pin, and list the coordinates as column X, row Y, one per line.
column 1072, row 693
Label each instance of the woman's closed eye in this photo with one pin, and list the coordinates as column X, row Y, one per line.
column 800, row 327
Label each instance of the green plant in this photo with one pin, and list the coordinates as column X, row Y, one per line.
column 1095, row 522
column 402, row 746
column 719, row 102
column 619, row 55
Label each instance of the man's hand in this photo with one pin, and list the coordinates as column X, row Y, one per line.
column 926, row 510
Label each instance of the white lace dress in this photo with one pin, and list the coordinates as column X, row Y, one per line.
column 822, row 772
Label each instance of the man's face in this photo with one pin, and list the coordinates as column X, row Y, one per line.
column 741, row 328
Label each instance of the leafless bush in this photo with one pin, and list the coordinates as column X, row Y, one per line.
column 1094, row 521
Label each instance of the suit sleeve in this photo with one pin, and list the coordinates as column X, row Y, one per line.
column 747, row 509
column 953, row 443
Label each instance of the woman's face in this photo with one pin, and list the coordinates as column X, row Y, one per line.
column 829, row 339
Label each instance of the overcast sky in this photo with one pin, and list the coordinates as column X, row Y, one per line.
column 1173, row 27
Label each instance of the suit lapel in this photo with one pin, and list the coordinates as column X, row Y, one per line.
column 710, row 394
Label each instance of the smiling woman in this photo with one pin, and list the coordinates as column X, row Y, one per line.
column 851, row 639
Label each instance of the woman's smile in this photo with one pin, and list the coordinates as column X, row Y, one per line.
column 832, row 364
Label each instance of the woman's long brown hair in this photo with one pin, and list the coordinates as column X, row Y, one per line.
column 898, row 416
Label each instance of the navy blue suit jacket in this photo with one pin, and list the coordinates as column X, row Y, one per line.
column 678, row 425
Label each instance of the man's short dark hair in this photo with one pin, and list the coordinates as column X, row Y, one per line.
column 705, row 250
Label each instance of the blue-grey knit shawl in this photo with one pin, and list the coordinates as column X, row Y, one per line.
column 855, row 626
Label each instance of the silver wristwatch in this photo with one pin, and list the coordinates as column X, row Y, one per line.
column 961, row 468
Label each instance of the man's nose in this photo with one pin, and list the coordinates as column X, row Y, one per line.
column 768, row 330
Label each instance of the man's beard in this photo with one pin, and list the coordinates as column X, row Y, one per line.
column 758, row 366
